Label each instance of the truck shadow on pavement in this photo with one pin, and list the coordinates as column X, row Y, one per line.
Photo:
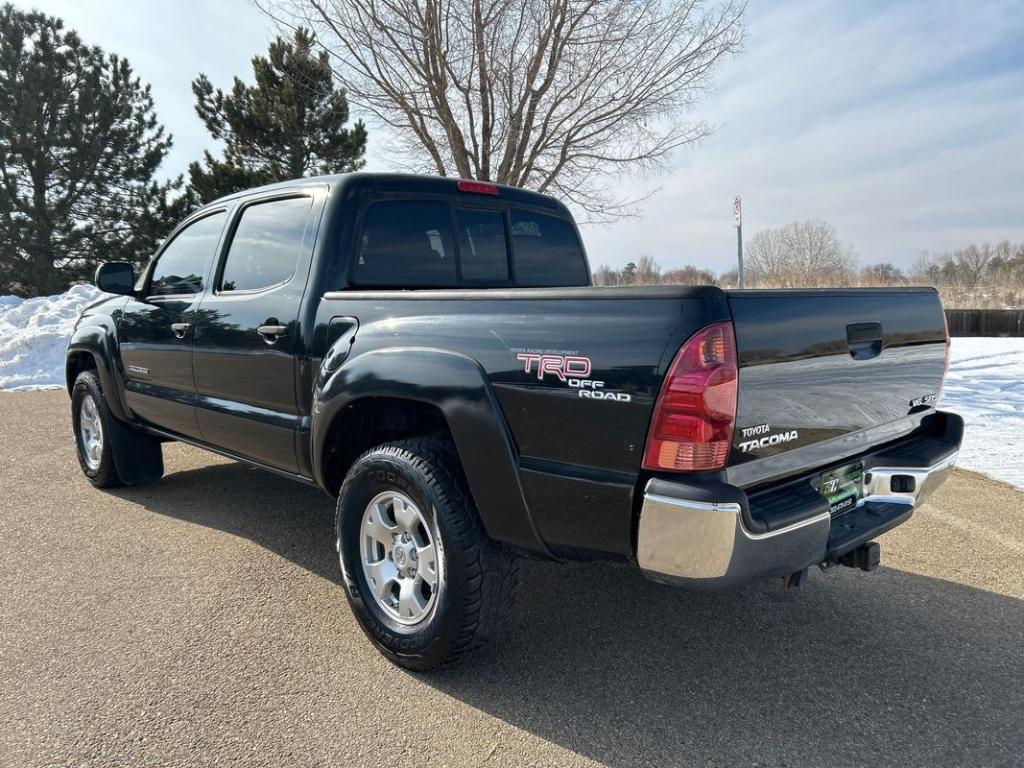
column 887, row 668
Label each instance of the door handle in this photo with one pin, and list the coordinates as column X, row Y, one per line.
column 180, row 329
column 272, row 333
column 864, row 340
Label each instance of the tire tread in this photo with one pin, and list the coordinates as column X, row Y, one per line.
column 491, row 573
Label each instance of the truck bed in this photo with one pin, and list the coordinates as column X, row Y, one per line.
column 797, row 374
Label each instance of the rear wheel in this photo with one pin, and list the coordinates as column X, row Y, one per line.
column 423, row 579
column 399, row 558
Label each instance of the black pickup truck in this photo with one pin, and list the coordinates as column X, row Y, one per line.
column 431, row 353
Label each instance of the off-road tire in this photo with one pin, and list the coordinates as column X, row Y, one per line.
column 477, row 577
column 105, row 474
column 129, row 455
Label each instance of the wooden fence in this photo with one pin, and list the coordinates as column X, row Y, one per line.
column 985, row 322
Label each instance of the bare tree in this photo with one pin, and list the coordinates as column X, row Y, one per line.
column 729, row 279
column 561, row 96
column 1007, row 265
column 882, row 274
column 768, row 260
column 648, row 271
column 800, row 254
column 971, row 263
column 688, row 275
column 925, row 270
column 977, row 276
column 605, row 276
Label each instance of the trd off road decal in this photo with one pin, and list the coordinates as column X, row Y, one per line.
column 568, row 367
column 557, row 365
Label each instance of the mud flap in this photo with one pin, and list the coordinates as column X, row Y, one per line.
column 138, row 457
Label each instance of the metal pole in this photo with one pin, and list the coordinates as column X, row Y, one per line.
column 739, row 253
column 737, row 221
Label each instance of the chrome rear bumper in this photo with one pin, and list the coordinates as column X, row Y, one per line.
column 708, row 545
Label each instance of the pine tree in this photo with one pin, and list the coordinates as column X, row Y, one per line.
column 287, row 125
column 79, row 148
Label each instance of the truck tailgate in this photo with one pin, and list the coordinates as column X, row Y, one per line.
column 825, row 374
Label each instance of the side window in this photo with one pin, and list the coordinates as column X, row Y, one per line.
column 183, row 263
column 266, row 245
column 406, row 243
column 546, row 251
column 483, row 251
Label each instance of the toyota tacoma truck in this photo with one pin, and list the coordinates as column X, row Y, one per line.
column 431, row 353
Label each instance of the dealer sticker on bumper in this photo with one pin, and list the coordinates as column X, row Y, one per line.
column 843, row 487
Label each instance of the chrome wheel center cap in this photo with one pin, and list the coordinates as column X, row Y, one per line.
column 404, row 554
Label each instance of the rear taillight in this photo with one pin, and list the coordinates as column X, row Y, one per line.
column 692, row 424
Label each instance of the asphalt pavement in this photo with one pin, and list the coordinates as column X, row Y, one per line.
column 200, row 621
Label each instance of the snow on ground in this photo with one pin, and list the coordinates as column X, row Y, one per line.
column 985, row 383
column 34, row 334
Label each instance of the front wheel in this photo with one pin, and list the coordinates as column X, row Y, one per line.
column 90, row 422
column 110, row 452
column 423, row 579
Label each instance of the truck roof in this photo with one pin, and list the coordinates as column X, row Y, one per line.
column 403, row 182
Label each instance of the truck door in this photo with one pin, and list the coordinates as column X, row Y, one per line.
column 155, row 331
column 247, row 340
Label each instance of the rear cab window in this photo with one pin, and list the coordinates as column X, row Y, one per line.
column 483, row 246
column 445, row 244
column 546, row 251
column 406, row 244
column 266, row 245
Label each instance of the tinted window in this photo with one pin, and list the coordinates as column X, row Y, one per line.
column 483, row 252
column 406, row 243
column 267, row 244
column 546, row 251
column 182, row 265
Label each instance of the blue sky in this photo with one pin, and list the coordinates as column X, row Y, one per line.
column 901, row 123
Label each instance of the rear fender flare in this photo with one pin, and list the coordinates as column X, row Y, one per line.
column 458, row 387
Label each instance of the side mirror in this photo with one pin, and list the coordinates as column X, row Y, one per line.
column 115, row 277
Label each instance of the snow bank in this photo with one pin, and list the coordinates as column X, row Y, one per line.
column 34, row 334
column 985, row 385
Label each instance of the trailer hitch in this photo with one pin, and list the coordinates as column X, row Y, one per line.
column 866, row 557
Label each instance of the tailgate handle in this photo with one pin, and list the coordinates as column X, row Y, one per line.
column 864, row 340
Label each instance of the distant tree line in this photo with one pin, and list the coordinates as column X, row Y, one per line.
column 646, row 271
column 981, row 276
column 810, row 254
column 81, row 147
